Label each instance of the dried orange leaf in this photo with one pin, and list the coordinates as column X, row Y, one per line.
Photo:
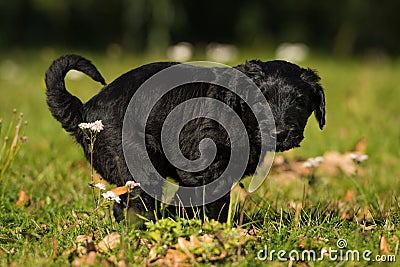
column 302, row 242
column 91, row 258
column 120, row 190
column 207, row 238
column 348, row 215
column 219, row 257
column 348, row 197
column 110, row 242
column 23, row 199
column 361, row 146
column 86, row 260
column 80, row 261
column 173, row 258
column 334, row 162
column 75, row 215
column 367, row 228
column 184, row 244
column 194, row 241
column 83, row 238
column 383, row 246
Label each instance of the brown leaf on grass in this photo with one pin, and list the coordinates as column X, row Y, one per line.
column 173, row 258
column 250, row 234
column 85, row 244
column 302, row 242
column 112, row 261
column 349, row 195
column 348, row 215
column 383, row 246
column 303, row 264
column 122, row 263
column 23, row 199
column 299, row 168
column 110, row 242
column 361, row 146
column 335, row 163
column 367, row 216
column 208, row 239
column 91, row 258
column 83, row 239
column 183, row 244
column 120, row 190
column 284, row 165
column 368, row 228
column 219, row 257
column 85, row 260
column 75, row 215
column 285, row 170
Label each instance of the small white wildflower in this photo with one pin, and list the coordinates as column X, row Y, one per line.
column 96, row 126
column 100, row 186
column 111, row 196
column 358, row 158
column 313, row 162
column 307, row 164
column 83, row 125
column 132, row 184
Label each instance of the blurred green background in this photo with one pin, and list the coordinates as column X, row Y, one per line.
column 337, row 27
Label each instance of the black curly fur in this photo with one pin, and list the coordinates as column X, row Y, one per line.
column 293, row 94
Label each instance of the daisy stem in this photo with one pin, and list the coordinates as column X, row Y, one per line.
column 92, row 171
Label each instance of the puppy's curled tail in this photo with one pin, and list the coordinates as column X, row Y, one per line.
column 65, row 107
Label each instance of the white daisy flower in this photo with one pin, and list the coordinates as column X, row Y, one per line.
column 96, row 126
column 132, row 184
column 100, row 186
column 358, row 158
column 313, row 162
column 83, row 125
column 111, row 196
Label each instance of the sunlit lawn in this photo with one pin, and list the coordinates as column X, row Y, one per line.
column 362, row 102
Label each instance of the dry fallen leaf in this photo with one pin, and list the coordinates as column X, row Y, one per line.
column 302, row 242
column 173, row 258
column 91, row 258
column 120, row 190
column 335, row 163
column 23, row 199
column 110, row 242
column 85, row 244
column 85, row 260
column 348, row 215
column 206, row 238
column 361, row 146
column 368, row 228
column 184, row 244
column 383, row 246
column 348, row 197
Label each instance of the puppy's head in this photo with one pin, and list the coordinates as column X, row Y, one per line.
column 293, row 94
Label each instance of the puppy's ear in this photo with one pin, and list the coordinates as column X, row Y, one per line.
column 252, row 69
column 312, row 78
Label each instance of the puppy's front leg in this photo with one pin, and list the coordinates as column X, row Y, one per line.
column 218, row 210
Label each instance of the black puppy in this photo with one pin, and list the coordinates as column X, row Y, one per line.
column 293, row 94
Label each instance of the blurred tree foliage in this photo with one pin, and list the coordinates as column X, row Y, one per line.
column 343, row 27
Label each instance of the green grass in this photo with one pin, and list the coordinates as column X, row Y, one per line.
column 362, row 102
